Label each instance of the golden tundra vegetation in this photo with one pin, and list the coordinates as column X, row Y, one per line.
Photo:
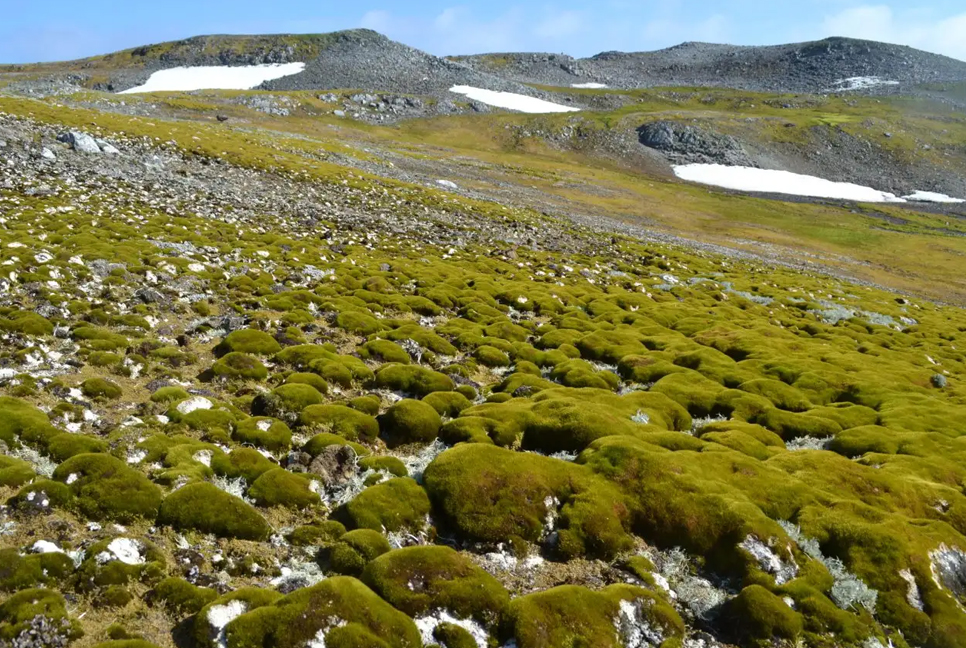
column 225, row 432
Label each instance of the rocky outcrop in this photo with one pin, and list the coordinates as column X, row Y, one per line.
column 684, row 144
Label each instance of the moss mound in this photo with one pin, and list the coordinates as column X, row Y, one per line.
column 413, row 380
column 314, row 612
column 409, row 421
column 106, row 488
column 447, row 581
column 343, row 421
column 392, row 505
column 248, row 341
column 204, row 507
column 279, row 487
column 575, row 616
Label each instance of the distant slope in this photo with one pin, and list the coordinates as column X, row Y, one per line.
column 800, row 67
column 368, row 60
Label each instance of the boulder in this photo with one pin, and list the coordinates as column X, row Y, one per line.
column 81, row 142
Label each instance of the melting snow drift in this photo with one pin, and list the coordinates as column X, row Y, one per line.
column 929, row 196
column 182, row 79
column 783, row 182
column 511, row 101
column 862, row 83
column 589, row 86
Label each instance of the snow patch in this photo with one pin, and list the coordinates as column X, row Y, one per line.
column 126, row 550
column 861, row 83
column 192, row 404
column 219, row 616
column 511, row 101
column 215, row 77
column 929, row 196
column 45, row 547
column 782, row 182
column 589, row 86
column 427, row 625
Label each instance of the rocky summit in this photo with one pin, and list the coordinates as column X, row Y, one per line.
column 401, row 351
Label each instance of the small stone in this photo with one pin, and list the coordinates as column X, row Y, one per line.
column 939, row 381
column 47, row 154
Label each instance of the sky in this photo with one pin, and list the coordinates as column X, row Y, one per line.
column 48, row 30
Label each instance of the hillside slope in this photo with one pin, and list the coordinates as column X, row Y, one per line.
column 818, row 66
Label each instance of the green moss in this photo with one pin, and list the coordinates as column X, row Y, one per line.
column 311, row 379
column 105, row 488
column 34, row 570
column 279, row 487
column 757, row 614
column 783, row 396
column 26, row 323
column 101, row 389
column 409, row 421
column 319, row 442
column 286, row 402
column 413, row 380
column 354, row 551
column 448, row 581
column 170, row 395
column 21, row 419
column 491, row 494
column 205, row 508
column 449, row 404
column 64, row 446
column 384, row 351
column 264, row 432
column 393, row 505
column 241, row 462
column 491, row 356
column 358, row 323
column 240, row 366
column 391, row 465
column 308, row 613
column 104, row 359
column 368, row 404
column 19, row 610
column 114, row 596
column 181, row 596
column 248, row 341
column 15, row 472
column 575, row 616
column 691, row 390
column 328, row 531
column 450, row 635
column 343, row 421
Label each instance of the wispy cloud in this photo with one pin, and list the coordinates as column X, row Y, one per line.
column 941, row 34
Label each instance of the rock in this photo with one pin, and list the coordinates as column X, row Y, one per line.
column 106, row 147
column 47, row 154
column 687, row 144
column 192, row 404
column 339, row 113
column 81, row 142
column 149, row 296
column 336, row 464
column 221, row 118
column 448, row 184
column 939, row 381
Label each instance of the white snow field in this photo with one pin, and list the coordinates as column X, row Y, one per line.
column 929, row 196
column 215, row 77
column 511, row 101
column 861, row 83
column 783, row 182
column 589, row 86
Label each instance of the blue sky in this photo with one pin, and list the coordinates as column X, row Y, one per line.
column 35, row 30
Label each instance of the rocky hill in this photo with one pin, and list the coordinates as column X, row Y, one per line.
column 819, row 66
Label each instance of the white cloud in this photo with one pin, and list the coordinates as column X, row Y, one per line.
column 377, row 20
column 943, row 35
column 561, row 25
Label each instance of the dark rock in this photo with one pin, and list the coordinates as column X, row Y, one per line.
column 336, row 464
